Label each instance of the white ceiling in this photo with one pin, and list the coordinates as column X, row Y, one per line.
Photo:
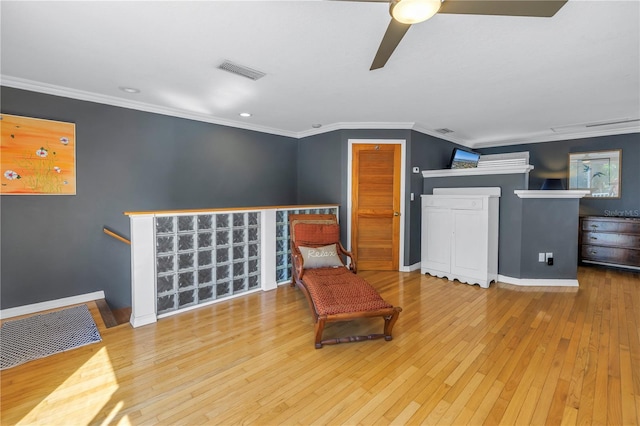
column 493, row 80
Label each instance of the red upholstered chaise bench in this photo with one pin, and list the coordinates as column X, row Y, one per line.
column 333, row 290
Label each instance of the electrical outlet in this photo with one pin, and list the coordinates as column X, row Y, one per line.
column 549, row 257
column 541, row 257
column 412, row 197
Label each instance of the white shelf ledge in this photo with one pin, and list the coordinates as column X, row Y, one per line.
column 501, row 170
column 551, row 194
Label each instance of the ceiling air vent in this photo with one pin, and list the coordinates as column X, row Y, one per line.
column 444, row 131
column 241, row 70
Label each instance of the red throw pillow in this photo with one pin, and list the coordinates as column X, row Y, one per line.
column 313, row 234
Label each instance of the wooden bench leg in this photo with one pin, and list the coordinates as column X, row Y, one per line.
column 389, row 322
column 320, row 321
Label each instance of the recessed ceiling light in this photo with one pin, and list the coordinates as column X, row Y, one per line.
column 129, row 89
column 316, row 126
column 245, row 114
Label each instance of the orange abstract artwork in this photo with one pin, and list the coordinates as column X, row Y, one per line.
column 37, row 156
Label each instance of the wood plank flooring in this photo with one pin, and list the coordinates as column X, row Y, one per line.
column 460, row 355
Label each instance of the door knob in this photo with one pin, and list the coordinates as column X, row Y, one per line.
column 396, row 213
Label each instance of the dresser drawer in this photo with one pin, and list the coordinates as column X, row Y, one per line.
column 611, row 239
column 612, row 255
column 611, row 225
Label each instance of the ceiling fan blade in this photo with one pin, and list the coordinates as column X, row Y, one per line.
column 535, row 8
column 393, row 35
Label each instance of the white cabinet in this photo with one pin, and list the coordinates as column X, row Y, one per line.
column 460, row 234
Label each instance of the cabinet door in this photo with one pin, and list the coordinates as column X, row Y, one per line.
column 469, row 250
column 436, row 239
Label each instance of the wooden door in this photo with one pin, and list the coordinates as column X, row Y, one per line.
column 375, row 214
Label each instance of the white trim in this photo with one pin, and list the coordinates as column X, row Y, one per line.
column 51, row 89
column 34, row 86
column 538, row 282
column 267, row 257
column 382, row 125
column 461, row 278
column 574, row 193
column 403, row 161
column 202, row 305
column 502, row 170
column 550, row 137
column 140, row 320
column 481, row 191
column 143, row 270
column 51, row 304
column 410, row 268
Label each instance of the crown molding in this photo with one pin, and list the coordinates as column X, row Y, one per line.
column 354, row 126
column 555, row 137
column 65, row 92
column 50, row 89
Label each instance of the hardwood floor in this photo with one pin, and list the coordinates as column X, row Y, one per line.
column 460, row 355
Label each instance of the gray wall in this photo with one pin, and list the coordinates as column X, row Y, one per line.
column 53, row 246
column 319, row 168
column 323, row 165
column 550, row 226
column 324, row 158
column 551, row 160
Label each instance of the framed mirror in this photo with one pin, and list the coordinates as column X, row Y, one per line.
column 596, row 171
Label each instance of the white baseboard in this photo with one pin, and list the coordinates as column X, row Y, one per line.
column 51, row 304
column 410, row 268
column 537, row 282
column 144, row 320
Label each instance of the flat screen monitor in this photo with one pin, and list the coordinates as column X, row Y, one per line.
column 461, row 159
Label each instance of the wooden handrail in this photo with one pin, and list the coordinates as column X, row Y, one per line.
column 228, row 209
column 116, row 236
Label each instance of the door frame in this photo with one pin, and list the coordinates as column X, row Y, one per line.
column 403, row 168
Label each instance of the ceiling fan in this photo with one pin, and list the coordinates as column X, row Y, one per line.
column 404, row 13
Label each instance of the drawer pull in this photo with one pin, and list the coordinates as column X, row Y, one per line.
column 594, row 252
column 594, row 226
column 593, row 238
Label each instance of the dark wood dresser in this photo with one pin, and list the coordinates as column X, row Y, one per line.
column 611, row 241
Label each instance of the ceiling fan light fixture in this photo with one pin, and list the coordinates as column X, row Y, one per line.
column 413, row 11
